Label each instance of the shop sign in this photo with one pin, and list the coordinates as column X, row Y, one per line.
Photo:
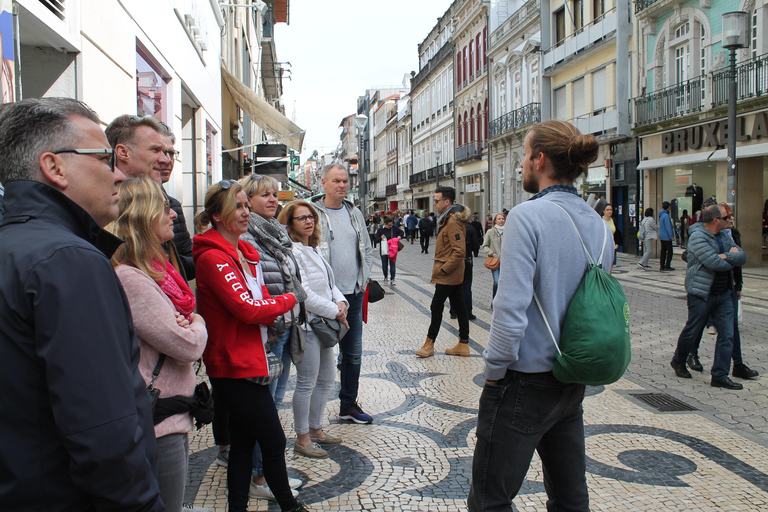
column 472, row 187
column 713, row 134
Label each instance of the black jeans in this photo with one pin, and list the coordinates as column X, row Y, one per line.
column 253, row 417
column 455, row 293
column 521, row 413
column 665, row 258
column 424, row 240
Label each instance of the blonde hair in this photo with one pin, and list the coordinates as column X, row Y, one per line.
column 567, row 148
column 254, row 186
column 142, row 206
column 286, row 218
column 218, row 200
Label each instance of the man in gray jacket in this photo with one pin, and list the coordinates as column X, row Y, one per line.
column 523, row 408
column 342, row 227
column 709, row 283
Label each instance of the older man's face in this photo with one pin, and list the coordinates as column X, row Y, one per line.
column 144, row 154
column 165, row 169
column 336, row 183
column 89, row 181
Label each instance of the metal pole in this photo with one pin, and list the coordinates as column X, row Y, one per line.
column 731, row 196
column 437, row 173
column 360, row 170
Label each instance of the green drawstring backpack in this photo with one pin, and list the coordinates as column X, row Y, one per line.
column 594, row 346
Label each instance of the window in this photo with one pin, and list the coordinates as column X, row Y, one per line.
column 560, row 104
column 502, row 98
column 598, row 9
column 579, row 103
column 578, row 14
column 479, row 123
column 485, row 120
column 477, row 57
column 485, row 45
column 535, row 81
column 599, row 93
column 464, row 76
column 458, row 70
column 559, row 26
column 151, row 83
column 471, row 59
column 472, row 125
column 465, row 127
column 754, row 34
column 516, row 91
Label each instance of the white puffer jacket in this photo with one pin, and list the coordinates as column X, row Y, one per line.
column 319, row 283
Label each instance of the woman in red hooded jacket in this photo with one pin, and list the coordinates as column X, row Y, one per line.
column 236, row 306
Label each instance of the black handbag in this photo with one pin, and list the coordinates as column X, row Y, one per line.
column 328, row 331
column 375, row 291
column 275, row 369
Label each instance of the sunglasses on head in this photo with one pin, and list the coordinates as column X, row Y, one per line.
column 225, row 184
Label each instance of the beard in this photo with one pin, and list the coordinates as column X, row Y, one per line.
column 530, row 184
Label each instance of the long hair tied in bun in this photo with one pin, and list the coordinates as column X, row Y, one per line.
column 570, row 151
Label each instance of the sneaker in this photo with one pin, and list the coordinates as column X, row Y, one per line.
column 641, row 266
column 743, row 371
column 694, row 363
column 312, row 450
column 680, row 370
column 265, row 493
column 392, row 282
column 354, row 413
column 223, row 458
column 725, row 382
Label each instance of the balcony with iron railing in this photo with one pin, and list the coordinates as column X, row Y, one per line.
column 390, row 190
column 431, row 173
column 512, row 121
column 678, row 100
column 751, row 81
column 574, row 44
column 471, row 151
column 642, row 4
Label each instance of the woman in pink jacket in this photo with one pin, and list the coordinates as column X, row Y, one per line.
column 162, row 306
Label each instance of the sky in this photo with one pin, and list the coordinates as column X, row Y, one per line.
column 338, row 49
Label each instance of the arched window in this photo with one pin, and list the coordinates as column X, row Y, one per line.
column 478, row 46
column 465, row 127
column 464, row 76
column 471, row 59
column 479, row 123
column 472, row 125
column 461, row 139
column 458, row 71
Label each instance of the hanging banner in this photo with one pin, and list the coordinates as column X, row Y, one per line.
column 7, row 49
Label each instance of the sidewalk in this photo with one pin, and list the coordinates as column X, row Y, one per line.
column 417, row 454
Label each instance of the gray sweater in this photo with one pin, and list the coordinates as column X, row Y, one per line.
column 540, row 250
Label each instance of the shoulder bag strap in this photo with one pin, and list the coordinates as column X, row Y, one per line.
column 156, row 371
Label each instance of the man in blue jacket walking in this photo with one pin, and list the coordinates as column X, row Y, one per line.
column 666, row 235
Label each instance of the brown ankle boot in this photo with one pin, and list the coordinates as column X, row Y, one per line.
column 461, row 349
column 428, row 350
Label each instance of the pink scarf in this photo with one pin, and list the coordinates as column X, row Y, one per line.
column 174, row 286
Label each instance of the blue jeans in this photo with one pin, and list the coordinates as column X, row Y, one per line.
column 495, row 274
column 386, row 261
column 351, row 348
column 521, row 413
column 720, row 307
column 736, row 336
column 281, row 349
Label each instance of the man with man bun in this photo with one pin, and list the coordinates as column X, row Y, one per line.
column 523, row 407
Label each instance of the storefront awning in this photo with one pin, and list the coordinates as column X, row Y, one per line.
column 264, row 114
column 670, row 161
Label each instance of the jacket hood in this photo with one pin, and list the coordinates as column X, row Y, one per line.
column 696, row 227
column 211, row 239
column 460, row 213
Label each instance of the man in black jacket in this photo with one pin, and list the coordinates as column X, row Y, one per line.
column 181, row 238
column 75, row 421
column 426, row 231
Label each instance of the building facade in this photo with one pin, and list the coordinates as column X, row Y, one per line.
column 404, row 165
column 470, row 41
column 432, row 124
column 514, row 84
column 680, row 111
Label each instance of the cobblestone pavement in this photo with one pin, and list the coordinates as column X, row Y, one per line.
column 417, row 454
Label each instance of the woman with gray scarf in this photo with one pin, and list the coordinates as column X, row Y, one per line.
column 280, row 270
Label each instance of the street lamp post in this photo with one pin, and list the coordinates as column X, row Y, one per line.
column 360, row 121
column 437, row 162
column 735, row 36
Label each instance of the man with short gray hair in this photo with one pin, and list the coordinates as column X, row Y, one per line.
column 712, row 257
column 342, row 227
column 139, row 147
column 75, row 421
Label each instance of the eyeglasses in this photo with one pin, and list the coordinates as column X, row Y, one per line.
column 304, row 218
column 225, row 184
column 726, row 218
column 436, row 200
column 170, row 153
column 109, row 152
column 256, row 177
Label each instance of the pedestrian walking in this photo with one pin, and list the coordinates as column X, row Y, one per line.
column 618, row 239
column 171, row 336
column 426, row 232
column 411, row 222
column 388, row 251
column 448, row 274
column 666, row 235
column 709, row 283
column 685, row 222
column 492, row 246
column 523, row 408
column 237, row 308
column 315, row 372
column 649, row 232
column 76, row 428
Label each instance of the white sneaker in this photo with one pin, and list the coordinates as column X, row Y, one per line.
column 392, row 283
column 264, row 492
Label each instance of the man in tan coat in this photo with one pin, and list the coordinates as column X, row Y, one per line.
column 448, row 273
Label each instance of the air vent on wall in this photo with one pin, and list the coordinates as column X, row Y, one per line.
column 56, row 7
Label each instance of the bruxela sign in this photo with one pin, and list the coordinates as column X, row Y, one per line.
column 714, row 134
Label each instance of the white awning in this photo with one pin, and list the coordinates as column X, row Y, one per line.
column 264, row 114
column 717, row 156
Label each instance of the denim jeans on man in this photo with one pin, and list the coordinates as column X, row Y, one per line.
column 521, row 413
column 351, row 348
column 387, row 262
column 720, row 307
